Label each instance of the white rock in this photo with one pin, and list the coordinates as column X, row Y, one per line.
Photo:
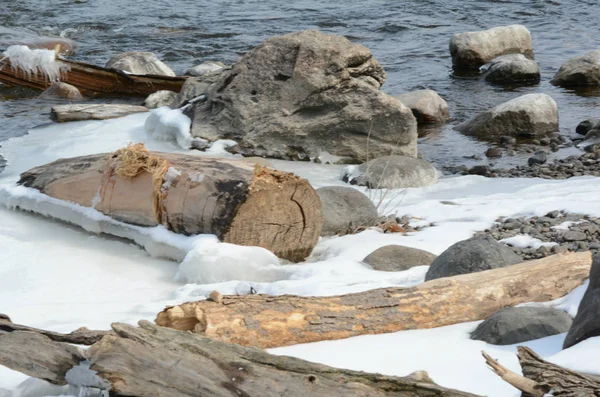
column 139, row 63
column 160, row 98
column 204, row 68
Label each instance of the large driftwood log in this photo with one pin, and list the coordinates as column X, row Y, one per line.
column 240, row 203
column 541, row 377
column 94, row 80
column 271, row 321
column 64, row 113
column 81, row 336
column 152, row 361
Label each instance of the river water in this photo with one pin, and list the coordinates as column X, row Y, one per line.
column 410, row 39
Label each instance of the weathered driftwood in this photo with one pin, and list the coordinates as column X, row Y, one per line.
column 271, row 321
column 541, row 377
column 152, row 361
column 64, row 113
column 240, row 203
column 94, row 80
column 81, row 336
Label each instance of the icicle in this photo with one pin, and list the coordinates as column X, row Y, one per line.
column 34, row 62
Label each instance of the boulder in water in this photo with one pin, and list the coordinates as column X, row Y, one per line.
column 205, row 68
column 392, row 172
column 587, row 125
column 297, row 95
column 426, row 105
column 528, row 115
column 62, row 91
column 471, row 50
column 581, row 71
column 139, row 63
column 512, row 69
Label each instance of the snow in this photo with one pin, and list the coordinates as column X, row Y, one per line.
column 61, row 277
column 565, row 225
column 168, row 124
column 526, row 241
column 34, row 63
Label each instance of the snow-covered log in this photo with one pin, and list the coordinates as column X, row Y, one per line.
column 272, row 321
column 64, row 113
column 240, row 203
column 152, row 361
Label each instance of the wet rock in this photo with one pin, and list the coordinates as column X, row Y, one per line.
column 62, row 91
column 471, row 50
column 482, row 170
column 587, row 321
column 395, row 258
column 297, row 95
column 512, row 69
column 473, row 255
column 521, row 324
column 2, row 163
column 392, row 172
column 493, row 152
column 527, row 115
column 345, row 209
column 160, row 98
column 139, row 63
column 508, row 140
column 205, row 68
column 581, row 71
column 427, row 106
column 586, row 125
column 539, row 157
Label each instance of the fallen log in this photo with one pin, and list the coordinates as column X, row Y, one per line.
column 92, row 80
column 239, row 202
column 81, row 336
column 541, row 377
column 65, row 113
column 272, row 321
column 152, row 361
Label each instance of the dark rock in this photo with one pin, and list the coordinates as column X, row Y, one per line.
column 345, row 209
column 553, row 214
column 586, row 125
column 512, row 69
column 392, row 172
column 482, row 170
column 508, row 140
column 395, row 258
column 587, row 321
column 521, row 324
column 473, row 255
column 493, row 152
column 540, row 157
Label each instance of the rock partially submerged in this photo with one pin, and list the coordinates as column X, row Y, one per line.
column 392, row 172
column 426, row 105
column 513, row 69
column 581, row 71
column 587, row 125
column 62, row 91
column 528, row 115
column 297, row 95
column 205, row 68
column 139, row 63
column 344, row 210
column 521, row 324
column 396, row 258
column 471, row 50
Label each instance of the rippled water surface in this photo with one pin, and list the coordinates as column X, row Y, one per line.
column 410, row 39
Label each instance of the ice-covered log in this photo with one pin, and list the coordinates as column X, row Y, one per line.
column 272, row 321
column 152, row 361
column 64, row 113
column 240, row 203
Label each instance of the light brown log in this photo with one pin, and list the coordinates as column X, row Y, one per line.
column 152, row 361
column 65, row 113
column 240, row 203
column 94, row 80
column 271, row 321
column 81, row 336
column 541, row 377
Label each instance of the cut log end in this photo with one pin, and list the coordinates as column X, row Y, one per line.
column 281, row 213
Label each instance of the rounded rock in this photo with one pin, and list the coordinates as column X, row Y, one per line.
column 395, row 258
column 345, row 209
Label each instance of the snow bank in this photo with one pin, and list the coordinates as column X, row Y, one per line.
column 34, row 63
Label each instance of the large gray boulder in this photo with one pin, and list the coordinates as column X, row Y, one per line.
column 471, row 50
column 528, row 115
column 470, row 256
column 396, row 258
column 581, row 71
column 193, row 87
column 426, row 105
column 587, row 321
column 392, row 172
column 302, row 94
column 512, row 69
column 345, row 209
column 521, row 324
column 160, row 98
column 139, row 63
